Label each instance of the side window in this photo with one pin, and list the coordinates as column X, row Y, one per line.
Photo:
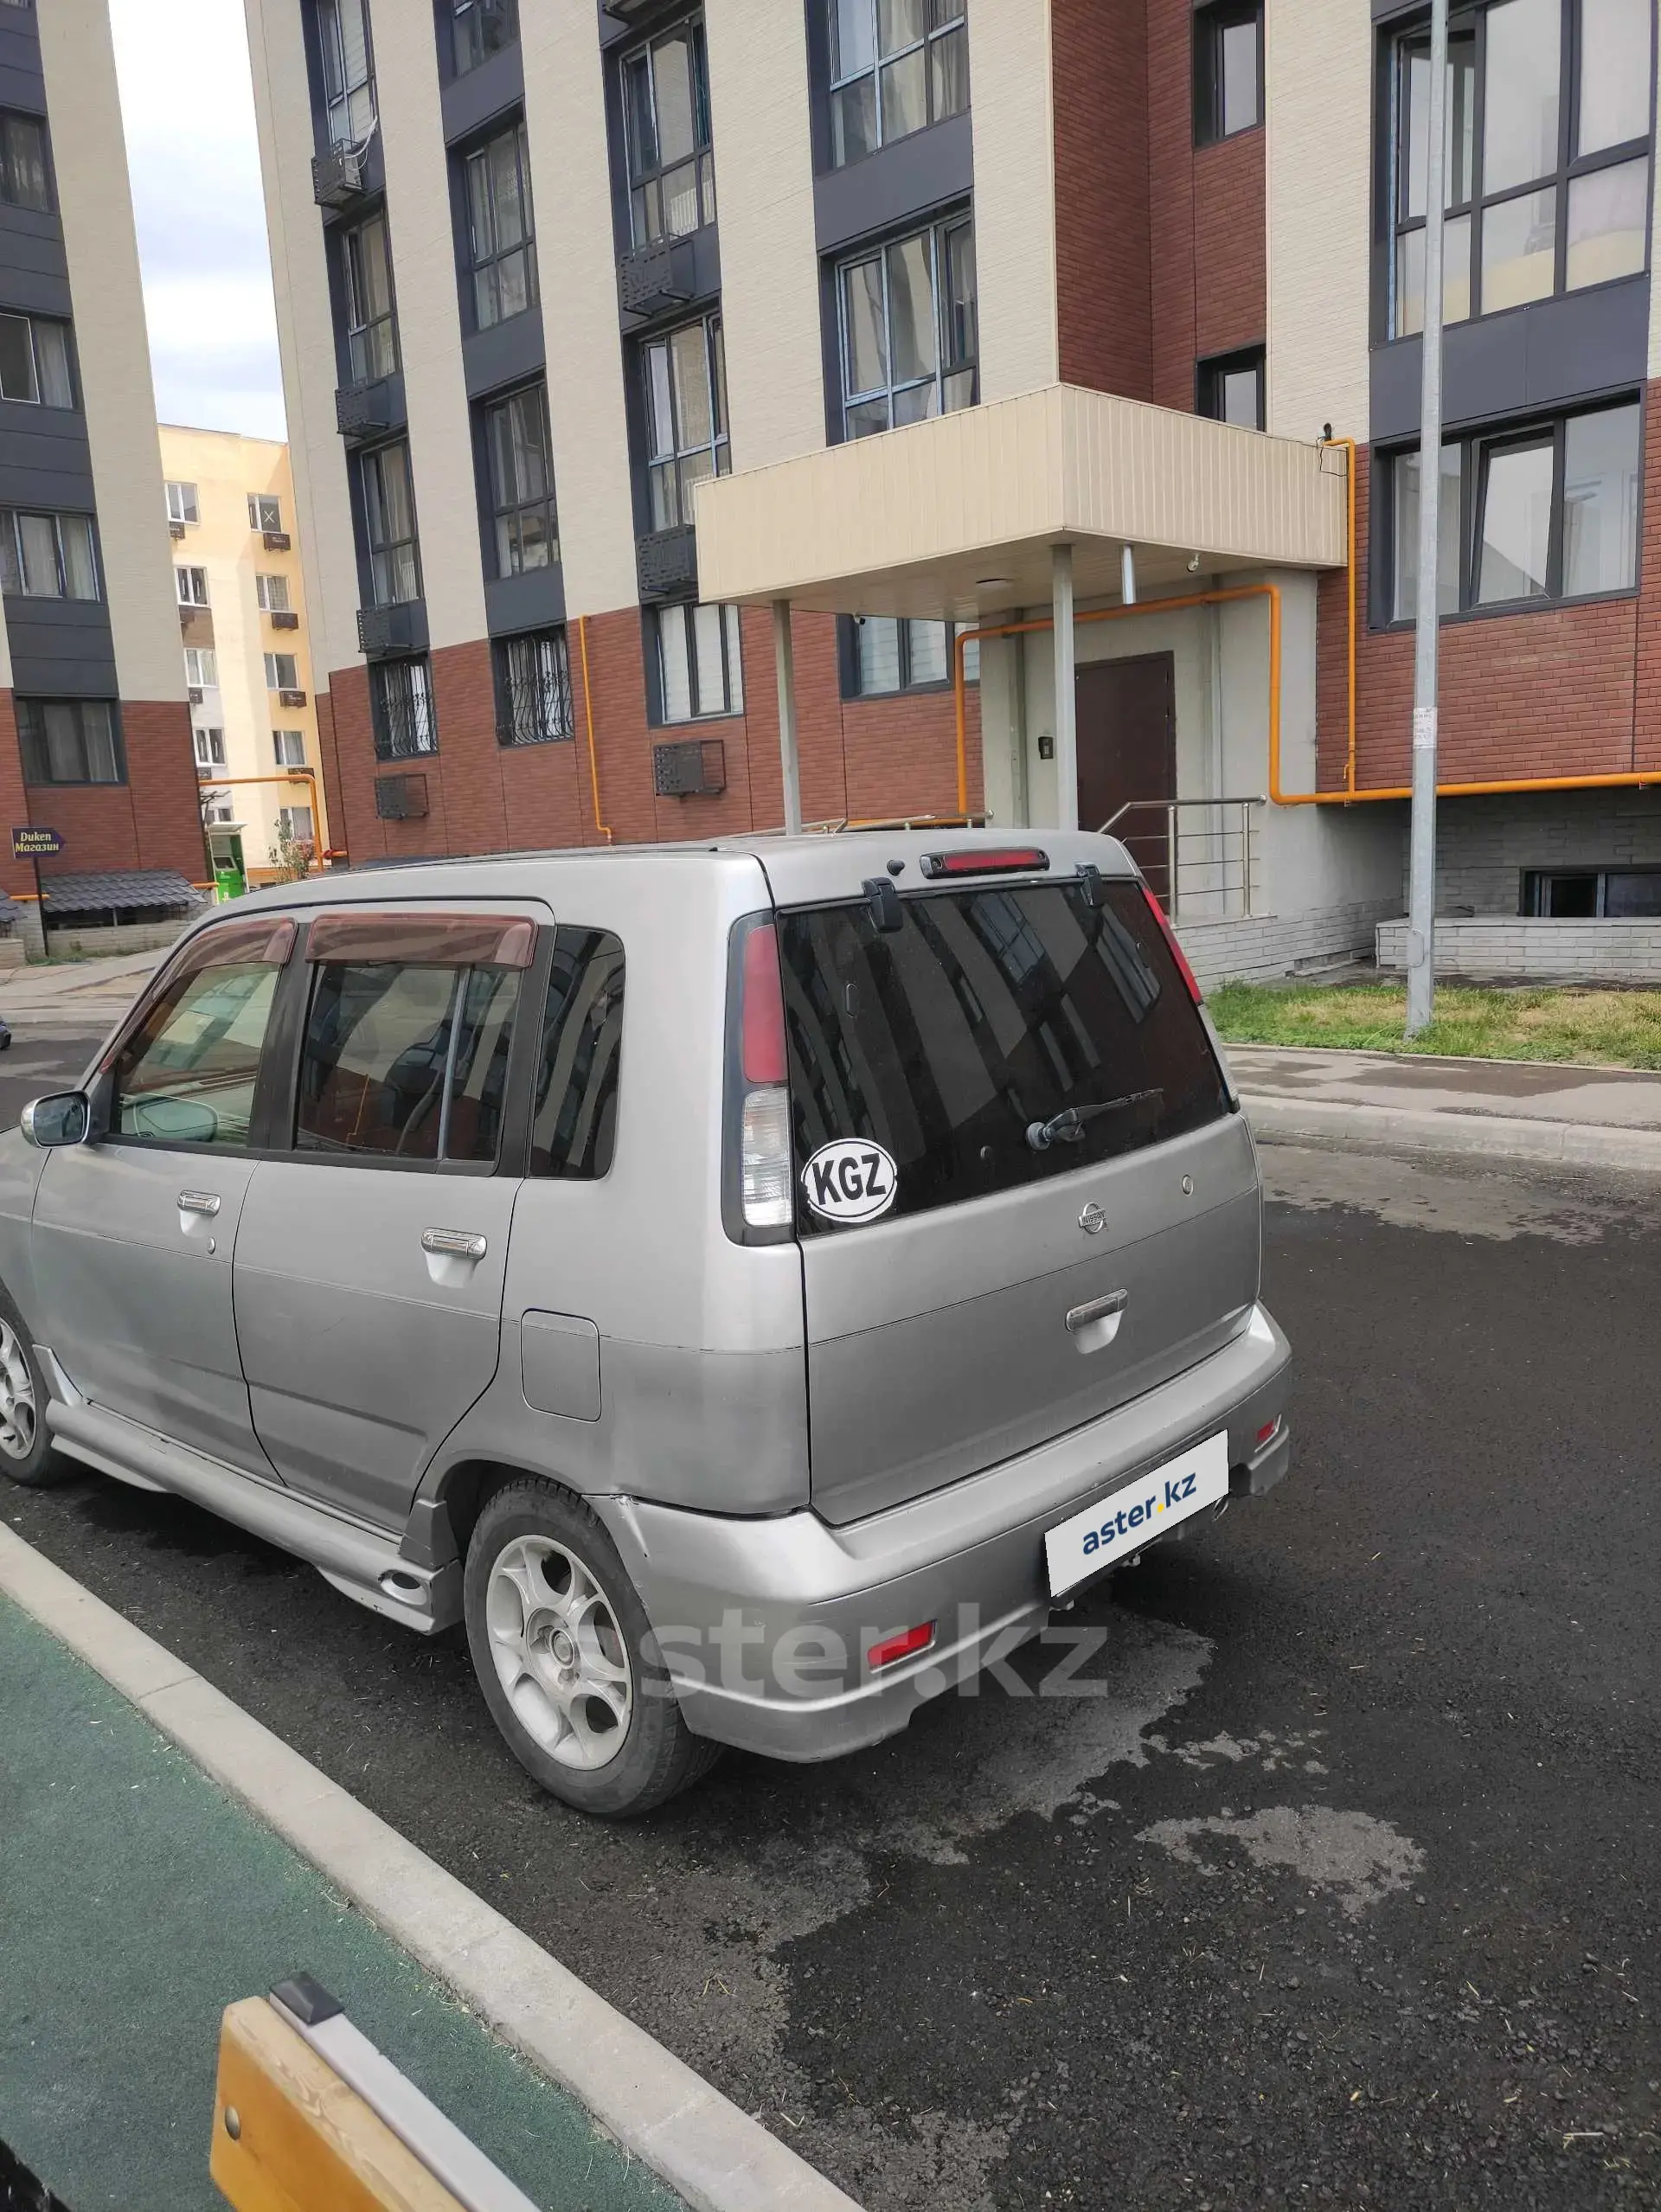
column 407, row 1061
column 187, row 1074
column 573, row 1129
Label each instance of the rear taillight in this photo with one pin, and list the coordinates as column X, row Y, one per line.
column 764, row 1123
column 1176, row 952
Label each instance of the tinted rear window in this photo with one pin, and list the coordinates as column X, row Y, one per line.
column 986, row 1012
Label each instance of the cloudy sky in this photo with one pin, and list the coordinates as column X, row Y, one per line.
column 195, row 159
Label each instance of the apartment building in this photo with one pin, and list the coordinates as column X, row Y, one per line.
column 248, row 668
column 673, row 385
column 94, row 733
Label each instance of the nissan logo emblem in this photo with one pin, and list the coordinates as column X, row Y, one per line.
column 1093, row 1221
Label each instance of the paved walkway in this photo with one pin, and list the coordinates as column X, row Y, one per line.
column 84, row 995
column 136, row 1901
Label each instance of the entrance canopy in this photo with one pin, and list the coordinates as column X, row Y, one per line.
column 955, row 519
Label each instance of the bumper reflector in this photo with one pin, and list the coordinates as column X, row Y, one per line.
column 903, row 1646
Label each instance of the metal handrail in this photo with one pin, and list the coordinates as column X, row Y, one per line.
column 1174, row 836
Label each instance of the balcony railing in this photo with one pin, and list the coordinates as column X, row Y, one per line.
column 666, row 563
column 400, row 628
column 658, row 276
column 337, row 176
column 365, row 410
column 1198, row 855
column 535, row 710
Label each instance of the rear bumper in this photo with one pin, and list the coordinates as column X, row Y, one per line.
column 764, row 1624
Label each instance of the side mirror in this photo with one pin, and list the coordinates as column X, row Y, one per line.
column 62, row 1118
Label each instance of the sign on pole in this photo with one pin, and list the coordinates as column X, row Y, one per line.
column 30, row 843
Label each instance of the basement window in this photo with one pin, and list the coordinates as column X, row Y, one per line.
column 1587, row 893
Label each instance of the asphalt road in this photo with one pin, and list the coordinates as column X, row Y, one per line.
column 1342, row 1890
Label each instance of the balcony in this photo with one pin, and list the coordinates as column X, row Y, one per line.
column 277, row 541
column 337, row 176
column 689, row 768
column 284, row 617
column 666, row 563
column 656, row 277
column 384, row 629
column 295, row 698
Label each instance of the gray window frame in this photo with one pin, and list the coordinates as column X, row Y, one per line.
column 1211, row 21
column 486, row 255
column 31, row 741
column 469, row 49
column 943, row 19
column 667, row 465
column 645, row 179
column 342, row 92
column 33, row 324
column 732, row 658
column 371, row 340
column 15, row 122
column 383, row 554
column 1472, row 23
column 10, row 516
column 946, row 364
column 909, row 684
column 1210, row 375
column 509, row 507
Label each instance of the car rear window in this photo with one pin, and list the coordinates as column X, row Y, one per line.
column 985, row 1014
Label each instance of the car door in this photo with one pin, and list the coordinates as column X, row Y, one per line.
column 370, row 1257
column 132, row 1233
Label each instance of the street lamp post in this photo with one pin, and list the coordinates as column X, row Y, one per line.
column 1421, row 859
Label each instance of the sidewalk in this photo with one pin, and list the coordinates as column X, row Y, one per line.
column 1506, row 1109
column 137, row 1901
column 76, row 996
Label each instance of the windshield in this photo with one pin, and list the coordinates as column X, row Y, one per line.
column 956, row 1039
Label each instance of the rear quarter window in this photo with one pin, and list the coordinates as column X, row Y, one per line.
column 986, row 1014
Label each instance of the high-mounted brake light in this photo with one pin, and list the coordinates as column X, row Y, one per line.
column 1176, row 952
column 900, row 1646
column 1005, row 860
column 764, row 1008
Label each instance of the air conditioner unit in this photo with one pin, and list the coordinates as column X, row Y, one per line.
column 658, row 276
column 690, row 768
column 400, row 629
column 337, row 176
column 195, row 694
column 666, row 563
column 401, row 798
column 283, row 618
column 291, row 698
column 277, row 541
column 365, row 410
column 176, row 529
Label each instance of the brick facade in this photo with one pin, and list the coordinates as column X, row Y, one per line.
column 153, row 820
column 859, row 758
column 1552, row 691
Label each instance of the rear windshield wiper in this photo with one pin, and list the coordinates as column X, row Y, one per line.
column 1068, row 1126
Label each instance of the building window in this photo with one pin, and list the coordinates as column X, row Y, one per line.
column 480, row 28
column 1231, row 388
column 908, row 330
column 1526, row 515
column 294, row 825
column 348, row 82
column 200, row 667
column 389, row 522
column 699, row 666
column 211, row 750
column 533, row 689
column 1581, row 893
column 525, row 526
column 685, row 377
column 1228, row 69
column 501, row 239
column 70, row 741
column 401, row 705
column 181, row 505
column 281, row 672
column 371, row 325
column 1547, row 145
column 34, row 364
column 265, row 511
column 895, row 67
column 883, row 654
column 666, row 127
column 192, row 586
column 288, row 748
column 272, row 594
column 48, row 557
column 25, row 180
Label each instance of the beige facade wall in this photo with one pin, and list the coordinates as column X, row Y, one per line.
column 1010, row 79
column 299, row 274
column 769, row 259
column 429, row 320
column 565, row 114
column 225, row 468
column 111, row 344
column 1319, row 103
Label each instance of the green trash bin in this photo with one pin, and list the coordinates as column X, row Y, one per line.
column 228, row 883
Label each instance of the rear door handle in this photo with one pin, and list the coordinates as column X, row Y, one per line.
column 199, row 1202
column 1094, row 1325
column 453, row 1244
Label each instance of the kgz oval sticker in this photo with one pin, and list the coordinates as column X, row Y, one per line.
column 851, row 1180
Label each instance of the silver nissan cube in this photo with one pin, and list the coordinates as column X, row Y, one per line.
column 746, row 1286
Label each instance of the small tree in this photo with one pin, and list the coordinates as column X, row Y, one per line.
column 293, row 857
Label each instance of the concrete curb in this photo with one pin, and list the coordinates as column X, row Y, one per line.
column 712, row 2155
column 1498, row 1136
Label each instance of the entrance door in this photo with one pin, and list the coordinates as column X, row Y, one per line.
column 1128, row 752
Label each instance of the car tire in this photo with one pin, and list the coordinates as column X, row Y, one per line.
column 566, row 1658
column 26, row 1450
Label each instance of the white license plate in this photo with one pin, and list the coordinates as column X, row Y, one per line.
column 1117, row 1526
